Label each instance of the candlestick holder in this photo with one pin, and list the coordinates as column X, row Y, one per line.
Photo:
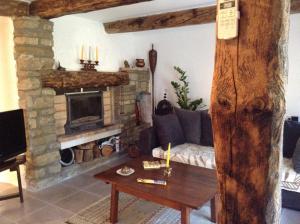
column 168, row 172
column 89, row 65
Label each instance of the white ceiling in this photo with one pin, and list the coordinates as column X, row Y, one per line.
column 144, row 8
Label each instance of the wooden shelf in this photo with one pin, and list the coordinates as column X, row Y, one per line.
column 68, row 141
column 73, row 80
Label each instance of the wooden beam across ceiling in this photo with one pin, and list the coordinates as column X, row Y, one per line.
column 13, row 8
column 55, row 8
column 172, row 19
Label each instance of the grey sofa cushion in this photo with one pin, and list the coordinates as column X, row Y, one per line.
column 191, row 124
column 206, row 129
column 296, row 157
column 168, row 130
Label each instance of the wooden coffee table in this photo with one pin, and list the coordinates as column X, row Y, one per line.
column 189, row 187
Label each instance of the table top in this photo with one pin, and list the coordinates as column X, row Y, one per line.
column 188, row 185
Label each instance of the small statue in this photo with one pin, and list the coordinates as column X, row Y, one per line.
column 60, row 68
column 126, row 64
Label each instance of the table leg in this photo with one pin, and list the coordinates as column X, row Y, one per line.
column 213, row 209
column 20, row 184
column 114, row 204
column 185, row 215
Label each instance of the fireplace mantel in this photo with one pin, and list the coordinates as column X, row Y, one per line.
column 73, row 80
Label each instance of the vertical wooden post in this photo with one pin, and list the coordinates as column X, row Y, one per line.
column 247, row 107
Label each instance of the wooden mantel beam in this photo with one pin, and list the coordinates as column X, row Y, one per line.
column 56, row 8
column 13, row 8
column 74, row 80
column 172, row 19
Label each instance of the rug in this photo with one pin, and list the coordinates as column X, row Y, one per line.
column 136, row 211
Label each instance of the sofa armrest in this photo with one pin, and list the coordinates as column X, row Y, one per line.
column 148, row 141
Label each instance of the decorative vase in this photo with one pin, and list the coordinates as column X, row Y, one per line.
column 140, row 63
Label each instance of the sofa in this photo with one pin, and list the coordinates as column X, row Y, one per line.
column 203, row 155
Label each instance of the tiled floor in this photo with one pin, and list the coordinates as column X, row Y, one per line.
column 56, row 204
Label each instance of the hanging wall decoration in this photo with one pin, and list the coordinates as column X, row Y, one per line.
column 153, row 62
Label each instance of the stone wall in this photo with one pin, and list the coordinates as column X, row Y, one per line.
column 34, row 55
column 60, row 115
column 125, row 98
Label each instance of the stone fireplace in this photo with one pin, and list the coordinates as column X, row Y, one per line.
column 46, row 110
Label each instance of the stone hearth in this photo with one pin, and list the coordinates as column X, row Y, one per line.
column 45, row 111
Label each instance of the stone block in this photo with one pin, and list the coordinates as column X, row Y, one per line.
column 106, row 94
column 60, row 107
column 133, row 76
column 45, row 159
column 35, row 174
column 36, row 51
column 32, row 33
column 107, row 107
column 106, row 101
column 46, row 42
column 129, row 88
column 54, row 146
column 26, row 74
column 43, row 102
column 45, row 139
column 29, row 63
column 47, row 63
column 48, row 92
column 46, row 112
column 26, row 41
column 32, row 114
column 54, row 168
column 45, row 121
column 60, row 116
column 36, row 150
column 49, row 130
column 32, row 122
column 60, row 99
column 26, row 23
column 29, row 84
column 33, row 133
column 129, row 108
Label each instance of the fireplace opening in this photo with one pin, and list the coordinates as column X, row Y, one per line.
column 84, row 111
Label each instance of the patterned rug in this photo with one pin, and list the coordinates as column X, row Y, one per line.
column 136, row 211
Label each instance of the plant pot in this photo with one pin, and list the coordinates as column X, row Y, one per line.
column 140, row 63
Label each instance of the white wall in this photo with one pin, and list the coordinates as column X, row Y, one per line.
column 8, row 78
column 293, row 88
column 192, row 48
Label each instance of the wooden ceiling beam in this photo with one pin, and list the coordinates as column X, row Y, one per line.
column 13, row 8
column 56, row 8
column 172, row 19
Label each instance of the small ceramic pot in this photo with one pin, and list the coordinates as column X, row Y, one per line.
column 140, row 63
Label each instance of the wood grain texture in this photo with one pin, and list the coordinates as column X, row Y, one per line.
column 172, row 19
column 166, row 20
column 13, row 8
column 56, row 8
column 59, row 80
column 247, row 108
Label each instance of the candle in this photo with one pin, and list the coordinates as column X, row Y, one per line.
column 81, row 53
column 90, row 53
column 97, row 56
column 168, row 155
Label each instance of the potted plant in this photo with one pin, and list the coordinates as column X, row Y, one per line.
column 182, row 90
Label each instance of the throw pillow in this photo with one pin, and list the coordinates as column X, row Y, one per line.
column 291, row 134
column 191, row 124
column 168, row 130
column 296, row 157
column 206, row 129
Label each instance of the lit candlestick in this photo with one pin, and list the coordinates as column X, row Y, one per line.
column 97, row 56
column 81, row 53
column 168, row 155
